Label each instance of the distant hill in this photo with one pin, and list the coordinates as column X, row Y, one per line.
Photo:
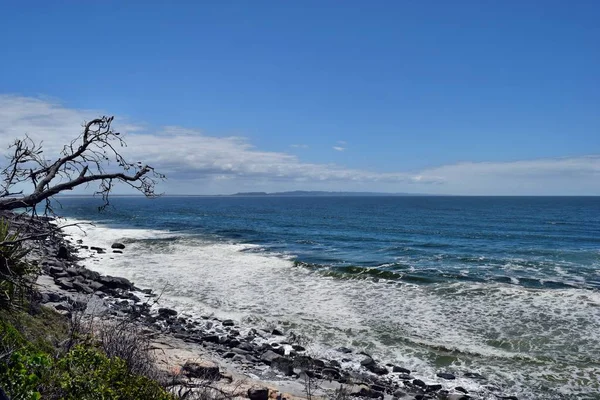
column 312, row 193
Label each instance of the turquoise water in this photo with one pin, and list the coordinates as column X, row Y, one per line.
column 504, row 286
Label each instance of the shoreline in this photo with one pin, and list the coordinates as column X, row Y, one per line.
column 252, row 354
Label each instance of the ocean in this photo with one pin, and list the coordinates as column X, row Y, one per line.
column 506, row 287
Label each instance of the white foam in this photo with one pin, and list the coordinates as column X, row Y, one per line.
column 506, row 332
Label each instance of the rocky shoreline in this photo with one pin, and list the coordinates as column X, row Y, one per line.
column 270, row 356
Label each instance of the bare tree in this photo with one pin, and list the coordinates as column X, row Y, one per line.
column 91, row 157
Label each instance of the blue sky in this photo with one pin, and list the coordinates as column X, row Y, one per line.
column 457, row 97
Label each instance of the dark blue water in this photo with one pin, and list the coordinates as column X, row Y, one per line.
column 548, row 242
column 507, row 287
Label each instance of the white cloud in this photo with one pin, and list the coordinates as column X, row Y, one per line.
column 299, row 146
column 338, row 148
column 197, row 163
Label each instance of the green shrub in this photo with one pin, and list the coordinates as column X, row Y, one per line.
column 15, row 270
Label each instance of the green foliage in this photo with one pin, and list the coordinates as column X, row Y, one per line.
column 15, row 270
column 29, row 371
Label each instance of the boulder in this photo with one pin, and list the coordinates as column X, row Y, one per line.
column 113, row 282
column 269, row 356
column 258, row 394
column 446, row 375
column 202, row 370
column 63, row 253
column 55, row 270
column 228, row 322
column 64, row 283
column 401, row 370
column 116, row 245
column 82, row 287
column 419, row 383
column 377, row 369
column 167, row 312
column 118, row 251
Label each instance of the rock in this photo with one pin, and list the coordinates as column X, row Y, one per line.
column 433, row 388
column 398, row 394
column 367, row 361
column 202, row 370
column 461, row 389
column 279, row 350
column 474, row 375
column 445, row 375
column 113, row 282
column 82, row 288
column 419, row 383
column 377, row 369
column 258, row 394
column 95, row 286
column 276, row 332
column 297, row 347
column 72, row 271
column 211, row 338
column 344, row 350
column 228, row 322
column 97, row 249
column 64, row 283
column 166, row 312
column 118, row 251
column 55, row 270
column 401, row 370
column 332, row 373
column 63, row 253
column 119, row 246
column 283, row 364
column 508, row 397
column 269, row 356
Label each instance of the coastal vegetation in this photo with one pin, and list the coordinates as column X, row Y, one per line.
column 42, row 353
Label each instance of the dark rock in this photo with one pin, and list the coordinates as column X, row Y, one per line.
column 229, row 355
column 258, row 394
column 211, row 338
column 246, row 346
column 269, row 356
column 419, row 383
column 461, row 389
column 202, row 370
column 64, row 283
column 97, row 249
column 344, row 350
column 166, row 312
column 63, row 253
column 237, row 350
column 96, row 286
column 378, row 388
column 113, row 282
column 331, row 373
column 401, row 370
column 474, row 375
column 118, row 251
column 279, row 350
column 228, row 322
column 297, row 347
column 433, row 388
column 277, row 332
column 82, row 288
column 508, row 397
column 399, row 394
column 119, row 246
column 55, row 270
column 377, row 369
column 283, row 364
column 72, row 271
column 367, row 361
column 445, row 375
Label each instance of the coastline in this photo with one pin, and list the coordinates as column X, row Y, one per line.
column 265, row 358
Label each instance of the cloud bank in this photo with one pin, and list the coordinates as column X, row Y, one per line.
column 197, row 163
